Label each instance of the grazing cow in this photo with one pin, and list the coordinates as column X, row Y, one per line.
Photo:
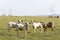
column 13, row 24
column 21, row 27
column 48, row 25
column 37, row 25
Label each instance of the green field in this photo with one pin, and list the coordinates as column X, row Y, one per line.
column 30, row 36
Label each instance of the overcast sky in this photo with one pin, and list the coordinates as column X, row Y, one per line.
column 29, row 7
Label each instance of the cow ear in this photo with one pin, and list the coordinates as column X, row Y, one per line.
column 25, row 23
column 34, row 20
column 18, row 21
column 31, row 21
column 21, row 20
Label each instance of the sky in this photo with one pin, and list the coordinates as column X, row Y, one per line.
column 29, row 7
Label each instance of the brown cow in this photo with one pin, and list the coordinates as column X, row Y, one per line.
column 48, row 25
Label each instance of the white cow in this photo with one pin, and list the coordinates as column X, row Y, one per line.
column 13, row 24
column 37, row 25
column 23, row 27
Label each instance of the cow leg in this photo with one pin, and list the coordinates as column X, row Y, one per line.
column 41, row 29
column 17, row 29
column 25, row 34
column 9, row 31
column 52, row 29
column 45, row 30
column 34, row 29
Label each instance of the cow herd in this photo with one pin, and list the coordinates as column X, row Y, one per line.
column 25, row 26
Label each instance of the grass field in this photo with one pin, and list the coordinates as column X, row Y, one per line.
column 30, row 36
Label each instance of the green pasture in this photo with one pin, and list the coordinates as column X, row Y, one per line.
column 30, row 35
